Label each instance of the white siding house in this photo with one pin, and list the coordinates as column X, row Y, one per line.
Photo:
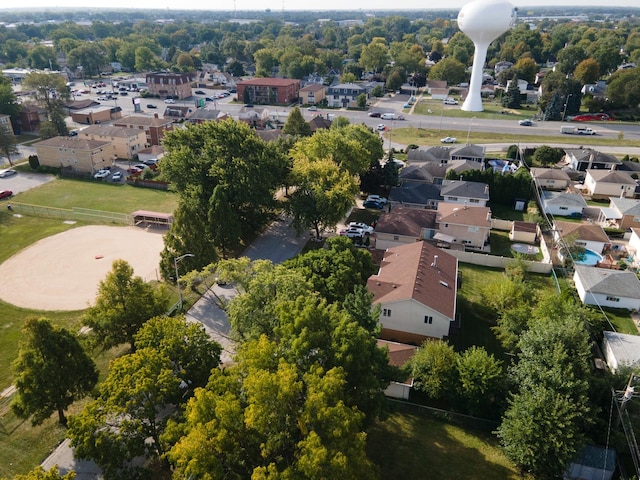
column 621, row 349
column 607, row 288
column 562, row 203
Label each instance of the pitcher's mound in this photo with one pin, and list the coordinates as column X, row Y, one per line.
column 62, row 272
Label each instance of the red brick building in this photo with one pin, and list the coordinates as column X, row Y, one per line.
column 154, row 127
column 269, row 91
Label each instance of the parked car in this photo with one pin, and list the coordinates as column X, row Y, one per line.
column 375, row 114
column 525, row 123
column 151, row 162
column 208, row 99
column 352, row 232
column 406, row 105
column 449, row 101
column 376, row 198
column 124, row 94
column 7, row 172
column 367, row 229
column 169, row 100
column 313, row 108
column 381, row 127
column 388, row 116
column 372, row 204
column 199, row 92
column 5, row 193
column 141, row 166
column 101, row 174
column 134, row 171
column 117, row 177
column 151, row 105
column 448, row 140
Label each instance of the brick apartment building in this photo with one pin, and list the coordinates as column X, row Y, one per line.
column 269, row 91
column 176, row 85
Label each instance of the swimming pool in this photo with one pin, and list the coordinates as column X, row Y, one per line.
column 590, row 258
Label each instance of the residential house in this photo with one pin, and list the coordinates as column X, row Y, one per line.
column 174, row 85
column 605, row 184
column 425, row 172
column 607, row 288
column 319, row 122
column 464, row 225
column 416, row 289
column 5, row 123
column 96, row 114
column 501, row 66
column 271, row 135
column 590, row 236
column 597, row 90
column 562, row 203
column 154, row 127
column 465, row 193
column 404, row 225
column 416, row 195
column 621, row 213
column 178, row 113
column 438, row 89
column 583, row 159
column 31, row 116
column 621, row 350
column 436, row 154
column 80, row 155
column 550, row 178
column 473, row 153
column 399, row 354
column 256, row 117
column 202, row 115
column 344, row 95
column 312, row 94
column 125, row 143
column 269, row 91
column 525, row 232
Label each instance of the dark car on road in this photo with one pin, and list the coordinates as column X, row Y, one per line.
column 5, row 193
column 199, row 92
column 151, row 105
column 375, row 114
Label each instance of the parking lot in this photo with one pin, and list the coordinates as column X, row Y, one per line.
column 21, row 182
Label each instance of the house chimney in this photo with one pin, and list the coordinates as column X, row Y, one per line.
column 435, row 261
column 486, row 189
column 489, row 216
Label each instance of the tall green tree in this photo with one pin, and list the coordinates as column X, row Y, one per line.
column 449, row 69
column 433, row 367
column 51, row 372
column 512, row 97
column 40, row 473
column 124, row 303
column 49, row 89
column 481, row 382
column 296, row 124
column 224, row 224
column 8, row 101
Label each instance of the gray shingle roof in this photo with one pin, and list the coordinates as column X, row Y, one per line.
column 626, row 206
column 563, row 199
column 419, row 193
column 462, row 188
column 620, row 283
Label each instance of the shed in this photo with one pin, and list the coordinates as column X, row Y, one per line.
column 621, row 349
column 526, row 232
column 593, row 463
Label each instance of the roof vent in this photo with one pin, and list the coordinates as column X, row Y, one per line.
column 435, row 261
column 444, row 284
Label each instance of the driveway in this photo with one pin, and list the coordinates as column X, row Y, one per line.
column 21, row 182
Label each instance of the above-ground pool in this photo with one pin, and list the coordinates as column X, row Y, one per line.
column 527, row 249
column 590, row 258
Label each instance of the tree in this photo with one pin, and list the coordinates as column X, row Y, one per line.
column 296, row 124
column 512, row 98
column 129, row 416
column 449, row 69
column 433, row 367
column 192, row 352
column 323, row 195
column 8, row 144
column 481, row 381
column 48, row 89
column 362, row 101
column 225, row 230
column 88, row 55
column 51, row 372
column 124, row 303
column 145, row 59
column 8, row 101
column 375, row 55
column 554, row 108
column 40, row 473
column 624, row 88
column 587, row 71
column 545, row 155
column 526, row 68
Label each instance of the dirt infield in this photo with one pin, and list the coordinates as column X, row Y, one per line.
column 62, row 272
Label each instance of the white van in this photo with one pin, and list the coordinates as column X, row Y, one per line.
column 388, row 116
column 450, row 101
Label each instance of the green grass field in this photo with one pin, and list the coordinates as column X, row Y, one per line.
column 63, row 193
column 413, row 444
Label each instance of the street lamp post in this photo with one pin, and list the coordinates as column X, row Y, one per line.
column 175, row 264
column 469, row 129
column 566, row 102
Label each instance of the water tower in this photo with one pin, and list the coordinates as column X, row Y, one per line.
column 483, row 21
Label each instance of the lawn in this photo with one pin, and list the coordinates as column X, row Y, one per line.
column 410, row 443
column 65, row 193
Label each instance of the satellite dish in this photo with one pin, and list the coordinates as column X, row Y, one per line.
column 483, row 21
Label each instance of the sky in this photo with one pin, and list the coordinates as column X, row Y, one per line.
column 305, row 4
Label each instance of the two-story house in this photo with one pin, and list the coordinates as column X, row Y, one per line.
column 583, row 159
column 465, row 193
column 404, row 225
column 465, row 225
column 344, row 95
column 312, row 94
column 416, row 289
column 550, row 178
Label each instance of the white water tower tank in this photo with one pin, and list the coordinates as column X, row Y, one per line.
column 483, row 21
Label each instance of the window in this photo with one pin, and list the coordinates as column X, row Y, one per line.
column 396, row 237
column 386, row 312
column 563, row 208
column 474, row 229
column 428, row 319
column 613, row 299
column 453, row 199
column 474, row 200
